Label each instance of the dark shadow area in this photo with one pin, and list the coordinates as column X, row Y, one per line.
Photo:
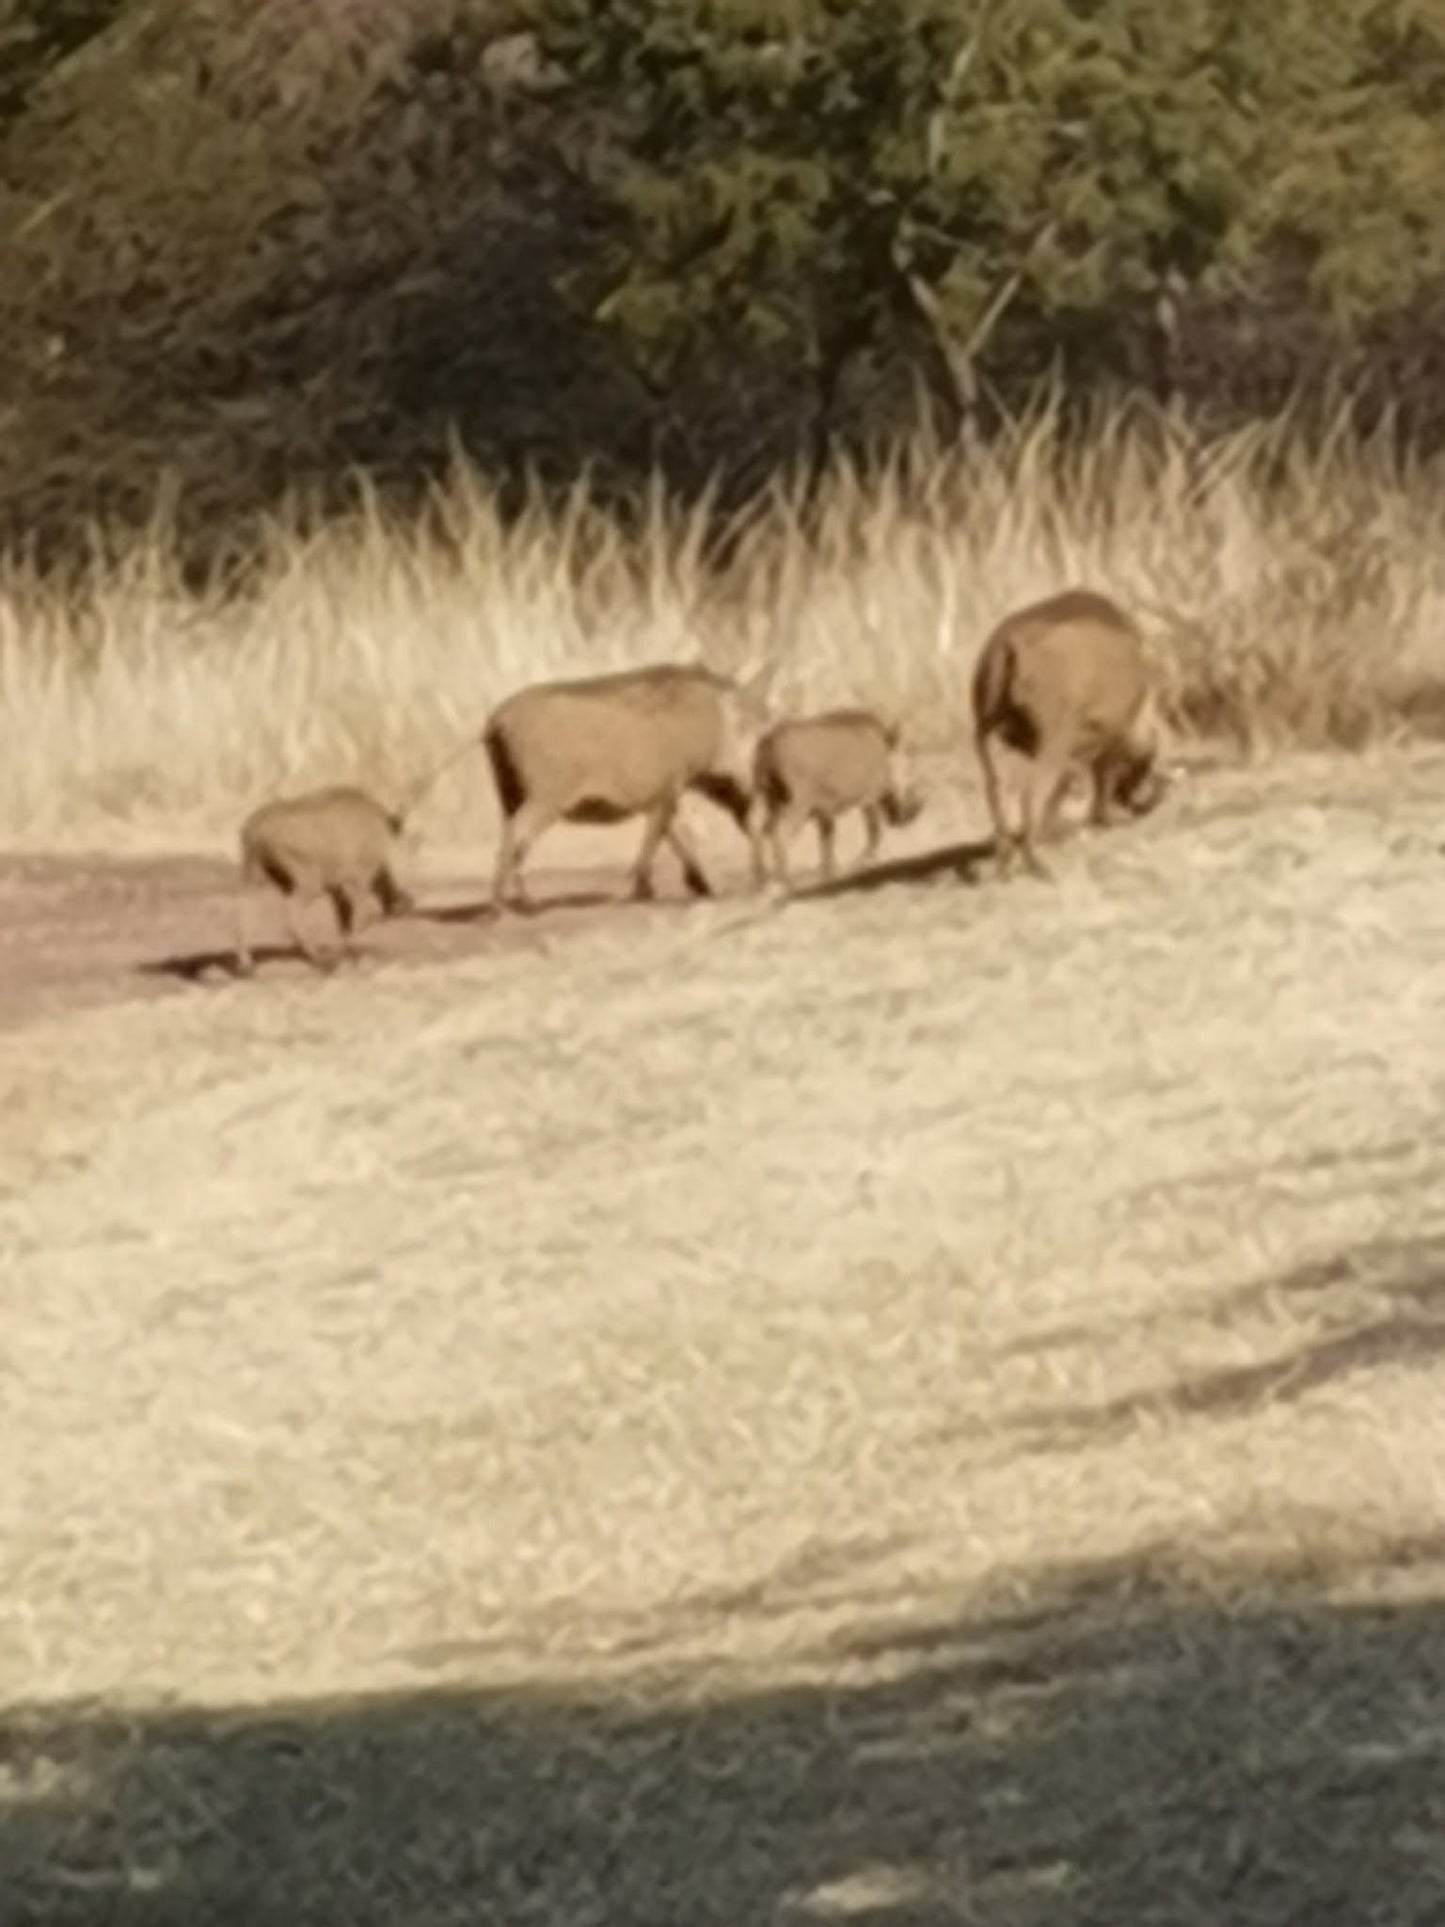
column 1382, row 1305
column 1113, row 1753
column 385, row 941
column 962, row 861
column 539, row 904
column 196, row 966
column 1381, row 1170
column 482, row 911
column 967, row 862
column 1423, row 708
column 850, row 1574
column 193, row 966
column 670, row 898
column 1375, row 1167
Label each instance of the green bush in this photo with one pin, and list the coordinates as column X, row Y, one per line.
column 259, row 244
column 800, row 173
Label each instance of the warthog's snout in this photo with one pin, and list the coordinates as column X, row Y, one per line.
column 1142, row 786
column 903, row 810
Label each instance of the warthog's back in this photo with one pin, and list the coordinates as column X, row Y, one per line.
column 340, row 832
column 1074, row 661
column 836, row 761
column 614, row 743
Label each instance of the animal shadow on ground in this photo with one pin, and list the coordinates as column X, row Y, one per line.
column 542, row 905
column 961, row 861
column 193, row 966
column 1374, row 1305
column 482, row 910
column 1117, row 1750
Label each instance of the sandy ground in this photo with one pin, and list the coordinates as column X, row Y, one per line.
column 78, row 931
column 918, row 1406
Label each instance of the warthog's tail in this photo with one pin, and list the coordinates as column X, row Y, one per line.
column 419, row 791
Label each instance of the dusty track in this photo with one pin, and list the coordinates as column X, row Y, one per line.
column 78, row 932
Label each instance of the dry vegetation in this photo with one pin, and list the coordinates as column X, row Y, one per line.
column 1296, row 594
column 919, row 1407
column 924, row 1407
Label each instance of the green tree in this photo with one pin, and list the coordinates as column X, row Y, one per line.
column 794, row 172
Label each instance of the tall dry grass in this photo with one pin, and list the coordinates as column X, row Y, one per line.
column 1293, row 586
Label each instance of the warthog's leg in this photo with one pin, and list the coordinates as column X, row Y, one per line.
column 506, row 865
column 393, row 899
column 693, row 874
column 1053, row 803
column 1101, row 806
column 347, row 917
column 248, row 902
column 519, row 833
column 1042, row 794
column 1111, row 770
column 659, row 822
column 827, row 845
column 757, row 816
column 784, row 827
column 873, row 830
column 352, row 902
column 1003, row 839
column 310, row 950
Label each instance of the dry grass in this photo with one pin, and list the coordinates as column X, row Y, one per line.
column 595, row 1418
column 920, row 1408
column 1295, row 593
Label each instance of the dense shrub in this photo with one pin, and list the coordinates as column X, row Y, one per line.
column 258, row 244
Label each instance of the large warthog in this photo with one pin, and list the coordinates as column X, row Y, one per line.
column 819, row 768
column 605, row 748
column 338, row 843
column 1065, row 684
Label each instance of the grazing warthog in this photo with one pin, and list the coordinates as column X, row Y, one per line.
column 336, row 842
column 1064, row 683
column 818, row 768
column 605, row 748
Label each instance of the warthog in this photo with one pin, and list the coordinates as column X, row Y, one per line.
column 818, row 768
column 605, row 748
column 336, row 842
column 1064, row 683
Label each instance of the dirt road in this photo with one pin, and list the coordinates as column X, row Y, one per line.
column 77, row 932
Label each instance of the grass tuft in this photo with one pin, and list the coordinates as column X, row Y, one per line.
column 1293, row 588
